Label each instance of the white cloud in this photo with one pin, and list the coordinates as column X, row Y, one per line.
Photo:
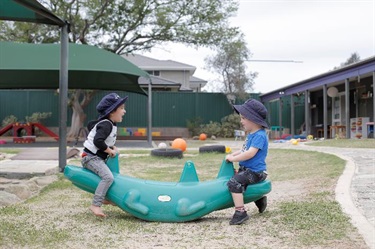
column 322, row 34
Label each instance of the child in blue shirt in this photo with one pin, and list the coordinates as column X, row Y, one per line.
column 251, row 158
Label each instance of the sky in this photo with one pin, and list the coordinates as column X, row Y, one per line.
column 321, row 34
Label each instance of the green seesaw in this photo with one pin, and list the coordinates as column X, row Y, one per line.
column 186, row 200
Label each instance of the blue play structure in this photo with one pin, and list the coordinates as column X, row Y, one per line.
column 186, row 200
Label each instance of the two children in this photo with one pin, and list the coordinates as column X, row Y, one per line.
column 100, row 144
column 251, row 158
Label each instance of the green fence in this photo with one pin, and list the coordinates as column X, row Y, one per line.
column 169, row 109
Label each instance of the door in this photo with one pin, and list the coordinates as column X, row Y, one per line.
column 338, row 110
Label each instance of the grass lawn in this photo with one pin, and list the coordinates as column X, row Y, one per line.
column 346, row 143
column 301, row 213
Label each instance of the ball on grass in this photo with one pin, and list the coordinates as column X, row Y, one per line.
column 162, row 146
column 202, row 137
column 179, row 143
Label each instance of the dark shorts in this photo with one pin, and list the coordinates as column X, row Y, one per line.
column 239, row 182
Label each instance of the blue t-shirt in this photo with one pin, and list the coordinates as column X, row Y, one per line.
column 257, row 140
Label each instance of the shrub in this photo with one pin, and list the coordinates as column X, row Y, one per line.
column 224, row 129
column 37, row 117
column 194, row 126
column 229, row 124
column 213, row 128
column 9, row 120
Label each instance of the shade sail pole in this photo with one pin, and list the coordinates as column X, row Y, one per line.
column 149, row 114
column 63, row 96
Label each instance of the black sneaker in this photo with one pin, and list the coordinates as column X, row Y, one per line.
column 261, row 204
column 238, row 218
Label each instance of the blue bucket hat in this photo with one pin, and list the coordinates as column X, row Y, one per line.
column 109, row 103
column 254, row 111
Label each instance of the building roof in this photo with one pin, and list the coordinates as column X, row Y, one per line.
column 194, row 79
column 156, row 80
column 363, row 68
column 147, row 63
column 159, row 82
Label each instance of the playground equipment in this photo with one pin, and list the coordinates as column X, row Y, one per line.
column 29, row 129
column 181, row 201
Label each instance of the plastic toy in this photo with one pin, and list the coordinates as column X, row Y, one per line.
column 228, row 149
column 179, row 143
column 181, row 201
column 294, row 141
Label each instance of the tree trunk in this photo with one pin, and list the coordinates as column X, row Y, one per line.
column 79, row 116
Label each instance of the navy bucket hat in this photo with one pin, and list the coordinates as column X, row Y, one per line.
column 254, row 111
column 109, row 103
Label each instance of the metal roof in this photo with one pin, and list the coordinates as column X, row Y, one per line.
column 28, row 11
column 147, row 63
column 363, row 68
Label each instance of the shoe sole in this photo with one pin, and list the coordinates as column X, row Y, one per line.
column 240, row 221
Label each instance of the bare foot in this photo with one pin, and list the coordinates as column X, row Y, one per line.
column 107, row 202
column 97, row 211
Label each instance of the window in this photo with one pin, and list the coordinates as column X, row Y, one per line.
column 155, row 73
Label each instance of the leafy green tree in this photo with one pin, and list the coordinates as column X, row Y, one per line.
column 229, row 63
column 127, row 26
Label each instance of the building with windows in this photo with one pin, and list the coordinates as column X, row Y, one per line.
column 167, row 75
column 338, row 103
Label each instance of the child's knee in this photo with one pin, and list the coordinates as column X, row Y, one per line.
column 109, row 178
column 234, row 186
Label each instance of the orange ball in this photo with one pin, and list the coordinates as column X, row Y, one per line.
column 202, row 136
column 179, row 143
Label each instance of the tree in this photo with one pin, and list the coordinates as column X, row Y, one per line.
column 354, row 57
column 128, row 26
column 230, row 63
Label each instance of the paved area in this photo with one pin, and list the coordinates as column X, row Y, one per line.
column 355, row 190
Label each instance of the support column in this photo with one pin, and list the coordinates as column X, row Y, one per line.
column 280, row 117
column 325, row 111
column 347, row 109
column 149, row 114
column 307, row 112
column 292, row 114
column 373, row 99
column 63, row 96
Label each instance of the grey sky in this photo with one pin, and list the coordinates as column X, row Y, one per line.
column 322, row 34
